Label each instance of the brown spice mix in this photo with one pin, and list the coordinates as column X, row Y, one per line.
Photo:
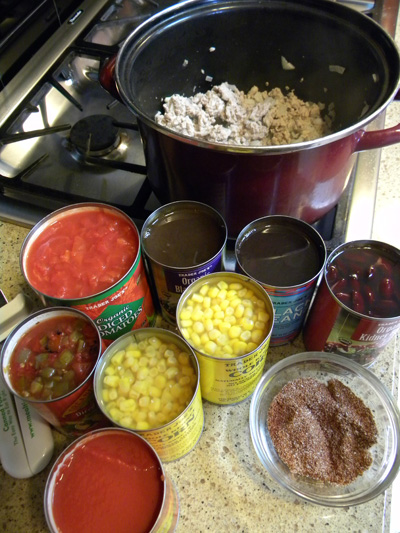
column 322, row 431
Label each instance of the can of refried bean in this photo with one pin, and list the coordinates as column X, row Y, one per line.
column 75, row 412
column 356, row 311
column 128, row 485
column 286, row 256
column 181, row 241
column 227, row 319
column 88, row 256
column 148, row 381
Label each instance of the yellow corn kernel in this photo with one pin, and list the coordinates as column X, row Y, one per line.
column 117, row 358
column 184, row 359
column 115, row 414
column 208, row 312
column 142, row 425
column 263, row 316
column 197, row 297
column 185, row 314
column 154, row 392
column 245, row 336
column 195, row 338
column 109, row 370
column 208, row 325
column 142, row 373
column 111, row 381
column 235, row 286
column 204, row 289
column 206, row 302
column 155, row 405
column 198, row 327
column 144, row 401
column 128, row 405
column 214, row 334
column 222, row 285
column 257, row 336
column 187, row 322
column 105, row 395
column 234, row 332
column 213, row 292
column 160, row 381
column 171, row 372
column 197, row 315
column 239, row 310
column 210, row 347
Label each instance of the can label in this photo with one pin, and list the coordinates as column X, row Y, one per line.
column 75, row 414
column 126, row 306
column 359, row 337
column 179, row 437
column 291, row 306
column 172, row 283
column 230, row 381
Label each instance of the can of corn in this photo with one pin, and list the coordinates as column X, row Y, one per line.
column 227, row 319
column 148, row 381
column 88, row 256
column 181, row 241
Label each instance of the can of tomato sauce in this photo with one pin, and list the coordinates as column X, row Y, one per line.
column 356, row 311
column 49, row 361
column 110, row 480
column 88, row 256
column 148, row 381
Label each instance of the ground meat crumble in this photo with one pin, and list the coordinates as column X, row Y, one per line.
column 224, row 114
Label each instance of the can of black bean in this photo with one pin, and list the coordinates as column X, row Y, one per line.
column 181, row 241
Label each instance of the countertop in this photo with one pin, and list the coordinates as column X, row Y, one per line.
column 222, row 485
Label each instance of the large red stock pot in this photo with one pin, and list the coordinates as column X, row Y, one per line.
column 171, row 53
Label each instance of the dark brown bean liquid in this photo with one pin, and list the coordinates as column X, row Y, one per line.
column 184, row 238
column 279, row 257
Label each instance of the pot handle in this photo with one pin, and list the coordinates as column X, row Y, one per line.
column 107, row 77
column 368, row 140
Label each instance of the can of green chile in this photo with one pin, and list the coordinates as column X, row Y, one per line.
column 148, row 381
column 38, row 367
column 227, row 319
column 181, row 241
column 111, row 478
column 286, row 256
column 356, row 311
column 88, row 256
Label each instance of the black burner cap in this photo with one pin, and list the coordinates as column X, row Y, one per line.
column 99, row 128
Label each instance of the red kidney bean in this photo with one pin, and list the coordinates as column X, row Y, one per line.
column 339, row 286
column 344, row 297
column 332, row 274
column 354, row 282
column 357, row 302
column 369, row 296
column 386, row 288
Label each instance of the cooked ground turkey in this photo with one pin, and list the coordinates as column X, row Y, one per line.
column 224, row 114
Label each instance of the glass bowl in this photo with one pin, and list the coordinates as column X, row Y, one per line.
column 385, row 453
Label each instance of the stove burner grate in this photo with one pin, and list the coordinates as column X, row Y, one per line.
column 95, row 135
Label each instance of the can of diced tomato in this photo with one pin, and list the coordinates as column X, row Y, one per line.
column 88, row 256
column 148, row 381
column 356, row 311
column 49, row 361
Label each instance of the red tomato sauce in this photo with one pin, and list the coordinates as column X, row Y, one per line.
column 53, row 358
column 112, row 483
column 81, row 254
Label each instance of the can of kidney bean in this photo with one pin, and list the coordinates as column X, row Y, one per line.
column 48, row 361
column 356, row 311
column 88, row 256
column 227, row 319
column 286, row 256
column 148, row 381
column 181, row 241
column 112, row 480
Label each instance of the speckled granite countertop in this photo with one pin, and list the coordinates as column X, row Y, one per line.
column 221, row 483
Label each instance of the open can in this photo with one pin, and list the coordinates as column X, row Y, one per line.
column 75, row 412
column 356, row 311
column 148, row 381
column 58, row 240
column 112, row 480
column 181, row 241
column 286, row 256
column 230, row 339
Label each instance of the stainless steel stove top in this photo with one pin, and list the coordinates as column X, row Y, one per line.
column 48, row 159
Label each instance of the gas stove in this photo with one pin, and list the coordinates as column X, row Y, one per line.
column 65, row 139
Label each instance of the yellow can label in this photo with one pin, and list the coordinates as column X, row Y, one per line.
column 230, row 381
column 179, row 437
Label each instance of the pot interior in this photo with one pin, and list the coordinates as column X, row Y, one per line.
column 202, row 43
